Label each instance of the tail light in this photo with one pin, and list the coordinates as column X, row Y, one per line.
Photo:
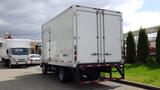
column 75, row 56
column 30, row 61
column 75, row 53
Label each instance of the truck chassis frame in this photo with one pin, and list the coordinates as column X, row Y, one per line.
column 87, row 73
column 95, row 69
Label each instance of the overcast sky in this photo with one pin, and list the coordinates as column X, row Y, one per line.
column 23, row 18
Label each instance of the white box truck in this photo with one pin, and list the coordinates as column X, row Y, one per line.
column 14, row 51
column 82, row 42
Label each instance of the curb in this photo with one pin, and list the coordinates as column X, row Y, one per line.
column 136, row 84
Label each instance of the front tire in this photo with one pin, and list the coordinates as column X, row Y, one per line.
column 6, row 63
column 44, row 69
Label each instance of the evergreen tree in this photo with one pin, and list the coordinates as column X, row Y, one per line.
column 158, row 46
column 130, row 48
column 143, row 46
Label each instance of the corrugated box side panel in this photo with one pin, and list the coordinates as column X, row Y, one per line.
column 58, row 39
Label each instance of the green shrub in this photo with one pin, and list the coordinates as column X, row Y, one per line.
column 130, row 48
column 158, row 46
column 143, row 46
column 151, row 59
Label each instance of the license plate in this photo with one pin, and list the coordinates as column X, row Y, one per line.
column 21, row 60
column 21, row 63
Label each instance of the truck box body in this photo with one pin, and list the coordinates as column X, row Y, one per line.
column 14, row 51
column 81, row 43
column 12, row 43
column 82, row 35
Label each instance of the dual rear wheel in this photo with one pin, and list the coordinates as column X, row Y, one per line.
column 64, row 74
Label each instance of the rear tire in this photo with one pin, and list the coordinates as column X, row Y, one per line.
column 65, row 75
column 44, row 69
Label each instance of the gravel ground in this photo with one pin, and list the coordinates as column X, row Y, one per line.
column 30, row 78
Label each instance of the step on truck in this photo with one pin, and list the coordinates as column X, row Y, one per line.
column 14, row 51
column 83, row 44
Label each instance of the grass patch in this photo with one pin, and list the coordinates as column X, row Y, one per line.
column 143, row 73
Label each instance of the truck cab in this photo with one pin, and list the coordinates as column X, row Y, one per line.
column 17, row 56
column 14, row 51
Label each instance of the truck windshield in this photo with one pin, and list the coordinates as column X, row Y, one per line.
column 20, row 51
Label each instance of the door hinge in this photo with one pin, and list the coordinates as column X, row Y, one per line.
column 120, row 19
column 76, row 37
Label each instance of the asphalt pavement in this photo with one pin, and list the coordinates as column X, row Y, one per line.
column 30, row 78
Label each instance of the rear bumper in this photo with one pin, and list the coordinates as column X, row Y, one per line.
column 34, row 62
column 96, row 72
column 85, row 65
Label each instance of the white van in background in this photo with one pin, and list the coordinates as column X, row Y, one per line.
column 14, row 51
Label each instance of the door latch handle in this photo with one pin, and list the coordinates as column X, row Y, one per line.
column 108, row 54
column 94, row 54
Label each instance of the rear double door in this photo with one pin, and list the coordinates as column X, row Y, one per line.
column 99, row 36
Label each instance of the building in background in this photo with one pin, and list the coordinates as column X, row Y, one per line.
column 152, row 34
column 7, row 36
column 35, row 46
